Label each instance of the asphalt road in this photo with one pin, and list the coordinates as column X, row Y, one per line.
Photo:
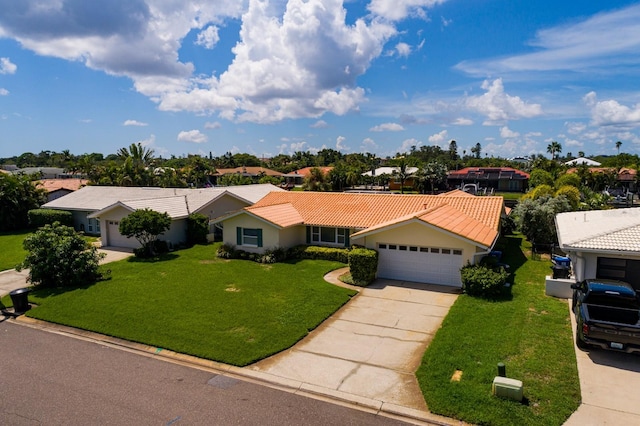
column 52, row 379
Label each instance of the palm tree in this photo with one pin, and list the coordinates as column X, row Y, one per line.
column 477, row 150
column 554, row 148
column 618, row 145
column 138, row 153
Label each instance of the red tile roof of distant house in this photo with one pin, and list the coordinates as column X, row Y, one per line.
column 51, row 185
column 624, row 174
column 488, row 173
column 307, row 170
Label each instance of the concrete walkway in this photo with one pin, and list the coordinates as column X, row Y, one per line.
column 11, row 280
column 609, row 383
column 371, row 348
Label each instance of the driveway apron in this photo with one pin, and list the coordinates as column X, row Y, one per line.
column 372, row 346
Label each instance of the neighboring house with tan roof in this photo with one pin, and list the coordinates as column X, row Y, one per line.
column 421, row 238
column 253, row 172
column 57, row 188
column 602, row 243
column 297, row 176
column 97, row 210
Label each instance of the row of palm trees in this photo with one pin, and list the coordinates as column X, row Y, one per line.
column 555, row 148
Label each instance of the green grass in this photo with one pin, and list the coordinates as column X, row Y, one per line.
column 232, row 311
column 510, row 195
column 12, row 252
column 528, row 331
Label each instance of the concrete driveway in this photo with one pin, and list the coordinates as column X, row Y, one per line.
column 609, row 383
column 372, row 347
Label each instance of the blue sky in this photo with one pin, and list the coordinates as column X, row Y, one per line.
column 270, row 77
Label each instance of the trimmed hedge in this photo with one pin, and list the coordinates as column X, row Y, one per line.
column 41, row 217
column 324, row 253
column 363, row 264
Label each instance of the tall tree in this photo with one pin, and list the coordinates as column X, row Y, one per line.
column 618, row 145
column 18, row 195
column 477, row 150
column 554, row 148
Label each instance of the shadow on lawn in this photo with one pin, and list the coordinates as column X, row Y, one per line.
column 512, row 255
column 162, row 258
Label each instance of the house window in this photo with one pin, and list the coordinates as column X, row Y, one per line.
column 382, row 246
column 251, row 237
column 457, row 252
column 321, row 234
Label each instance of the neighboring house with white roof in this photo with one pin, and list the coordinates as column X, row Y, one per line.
column 582, row 160
column 421, row 238
column 394, row 176
column 97, row 210
column 602, row 243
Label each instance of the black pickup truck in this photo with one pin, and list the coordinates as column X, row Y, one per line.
column 607, row 315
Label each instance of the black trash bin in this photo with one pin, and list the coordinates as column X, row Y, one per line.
column 560, row 271
column 20, row 300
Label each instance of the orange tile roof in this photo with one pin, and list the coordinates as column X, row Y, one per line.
column 283, row 215
column 456, row 193
column 51, row 185
column 362, row 211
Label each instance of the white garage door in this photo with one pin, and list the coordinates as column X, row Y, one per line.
column 435, row 265
column 116, row 239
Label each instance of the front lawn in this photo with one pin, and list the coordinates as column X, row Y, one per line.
column 232, row 311
column 528, row 331
column 12, row 252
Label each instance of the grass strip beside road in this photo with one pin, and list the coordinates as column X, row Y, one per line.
column 232, row 311
column 527, row 331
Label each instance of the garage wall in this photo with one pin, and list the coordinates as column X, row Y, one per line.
column 419, row 235
column 177, row 233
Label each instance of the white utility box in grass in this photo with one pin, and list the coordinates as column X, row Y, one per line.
column 507, row 388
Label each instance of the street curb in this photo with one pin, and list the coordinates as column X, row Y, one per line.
column 357, row 402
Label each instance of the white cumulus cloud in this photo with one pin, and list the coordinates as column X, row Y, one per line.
column 461, row 121
column 500, row 107
column 134, row 123
column 438, row 137
column 208, row 37
column 395, row 10
column 611, row 112
column 387, row 127
column 194, row 136
column 7, row 67
column 3, row 91
column 212, row 125
column 320, row 124
column 507, row 133
column 340, row 144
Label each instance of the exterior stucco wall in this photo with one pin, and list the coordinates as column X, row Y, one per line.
column 415, row 234
column 270, row 234
column 220, row 207
column 82, row 223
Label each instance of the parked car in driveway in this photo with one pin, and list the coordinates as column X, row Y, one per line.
column 607, row 315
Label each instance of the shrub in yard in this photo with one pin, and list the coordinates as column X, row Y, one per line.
column 274, row 255
column 483, row 281
column 41, row 217
column 197, row 229
column 226, row 251
column 145, row 225
column 57, row 256
column 363, row 264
